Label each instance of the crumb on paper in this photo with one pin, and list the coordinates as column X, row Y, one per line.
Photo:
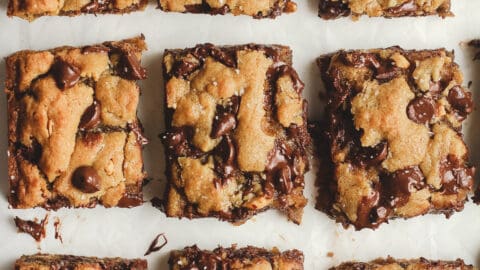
column 32, row 227
column 330, row 254
column 57, row 224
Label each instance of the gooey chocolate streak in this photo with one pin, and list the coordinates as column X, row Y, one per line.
column 394, row 189
column 281, row 170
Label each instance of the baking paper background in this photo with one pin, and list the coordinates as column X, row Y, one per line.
column 128, row 232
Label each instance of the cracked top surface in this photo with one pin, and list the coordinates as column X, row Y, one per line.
column 394, row 264
column 255, row 8
column 394, row 129
column 236, row 137
column 332, row 9
column 247, row 258
column 74, row 137
column 53, row 262
column 32, row 9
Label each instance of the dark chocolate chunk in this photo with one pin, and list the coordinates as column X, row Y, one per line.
column 420, row 110
column 387, row 71
column 86, row 179
column 91, row 117
column 370, row 156
column 129, row 67
column 223, row 124
column 130, row 200
column 359, row 60
column 460, row 100
column 397, row 187
column 226, row 150
column 33, row 153
column 455, row 176
column 184, row 68
column 333, row 9
column 278, row 169
column 65, row 74
column 177, row 142
column 33, row 228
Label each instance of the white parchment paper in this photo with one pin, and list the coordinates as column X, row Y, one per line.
column 128, row 232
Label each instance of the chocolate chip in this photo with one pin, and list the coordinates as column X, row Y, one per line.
column 223, row 124
column 224, row 120
column 130, row 200
column 227, row 152
column 404, row 9
column 387, row 71
column 370, row 156
column 359, row 60
column 86, row 179
column 65, row 74
column 397, row 187
column 420, row 110
column 96, row 6
column 129, row 67
column 184, row 68
column 333, row 9
column 279, row 168
column 461, row 101
column 32, row 153
column 91, row 117
column 455, row 175
column 225, row 57
column 342, row 89
column 176, row 141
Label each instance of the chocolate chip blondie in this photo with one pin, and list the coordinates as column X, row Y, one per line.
column 236, row 140
column 254, row 8
column 418, row 264
column 332, row 9
column 393, row 129
column 74, row 139
column 233, row 258
column 32, row 9
column 54, row 262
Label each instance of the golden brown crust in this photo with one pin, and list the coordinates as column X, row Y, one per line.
column 255, row 8
column 230, row 155
column 332, row 9
column 394, row 134
column 394, row 264
column 53, row 262
column 32, row 9
column 248, row 258
column 64, row 114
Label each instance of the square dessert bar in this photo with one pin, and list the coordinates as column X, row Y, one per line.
column 54, row 262
column 233, row 258
column 32, row 9
column 332, row 9
column 393, row 129
column 254, row 8
column 236, row 139
column 74, row 139
column 417, row 264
